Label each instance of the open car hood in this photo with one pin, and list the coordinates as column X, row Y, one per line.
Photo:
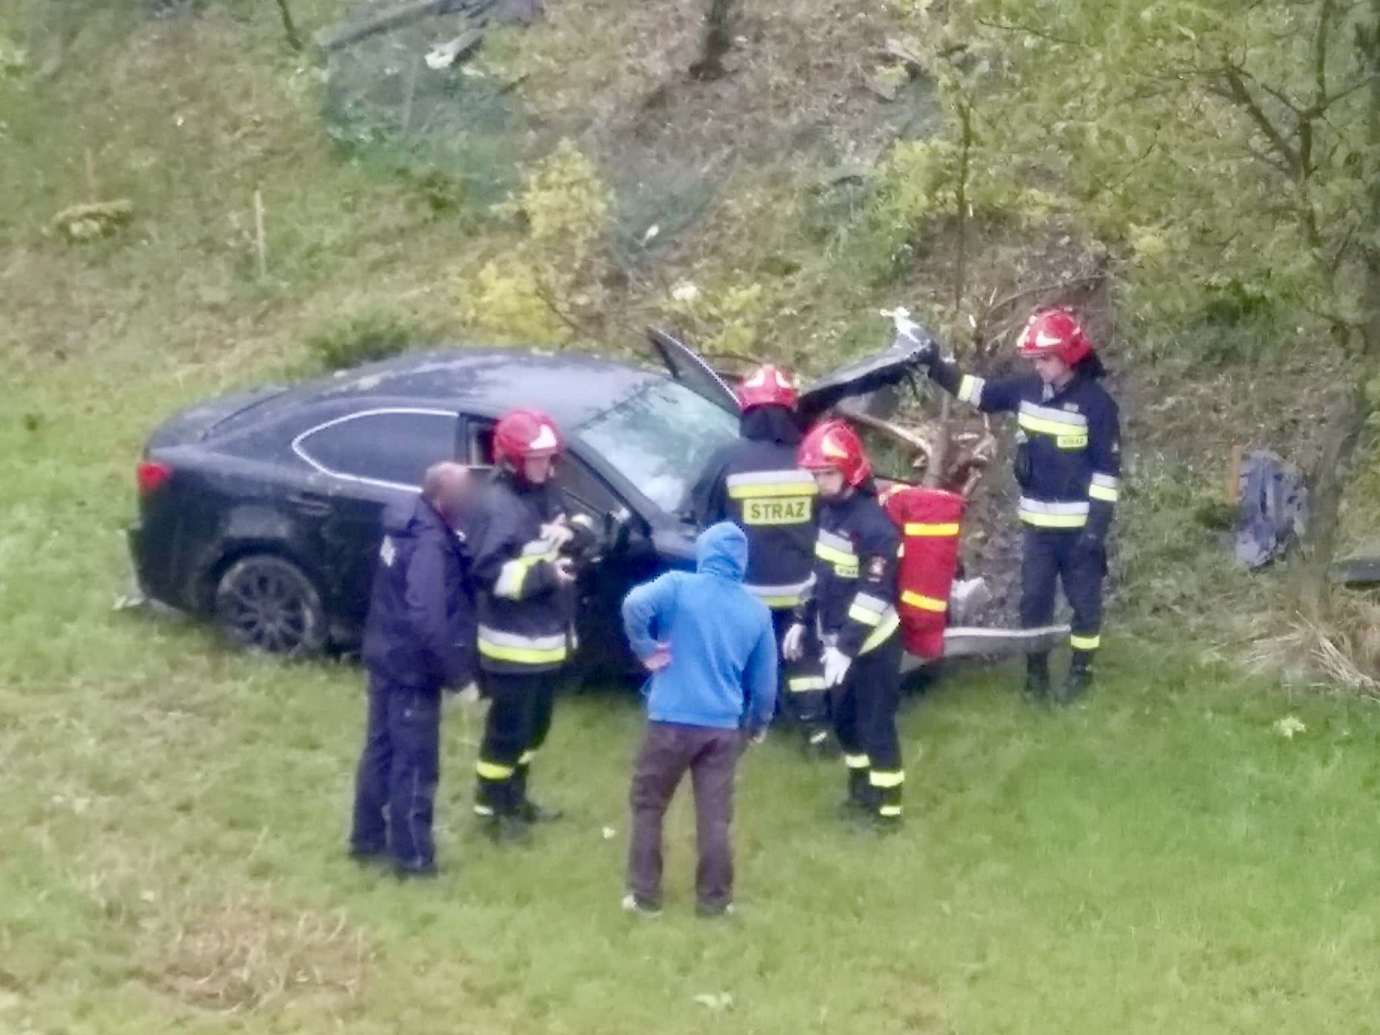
column 872, row 378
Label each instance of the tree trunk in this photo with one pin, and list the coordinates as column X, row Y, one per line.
column 289, row 27
column 718, row 38
column 1345, row 430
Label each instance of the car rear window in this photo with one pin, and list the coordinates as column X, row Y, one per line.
column 393, row 447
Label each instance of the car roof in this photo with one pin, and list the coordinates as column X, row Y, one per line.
column 570, row 387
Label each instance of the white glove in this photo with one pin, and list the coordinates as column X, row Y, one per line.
column 565, row 570
column 793, row 643
column 836, row 664
column 557, row 533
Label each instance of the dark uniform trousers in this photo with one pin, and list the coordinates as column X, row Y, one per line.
column 805, row 700
column 519, row 719
column 864, row 708
column 398, row 772
column 1053, row 556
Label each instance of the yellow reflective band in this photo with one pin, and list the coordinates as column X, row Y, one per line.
column 492, row 770
column 1042, row 520
column 890, row 622
column 744, row 492
column 886, row 778
column 889, row 811
column 779, row 603
column 526, row 757
column 970, row 389
column 1071, row 441
column 804, row 684
column 835, row 556
column 923, row 602
column 856, row 761
column 1101, row 492
column 522, row 655
column 483, row 810
column 1085, row 642
column 864, row 615
column 1043, row 427
column 918, row 528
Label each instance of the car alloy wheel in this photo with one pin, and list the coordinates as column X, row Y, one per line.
column 268, row 603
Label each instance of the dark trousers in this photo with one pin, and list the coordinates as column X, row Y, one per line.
column 865, row 721
column 711, row 755
column 520, row 711
column 804, row 698
column 395, row 785
column 1049, row 557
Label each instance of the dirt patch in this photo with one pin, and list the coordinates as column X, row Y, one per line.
column 245, row 954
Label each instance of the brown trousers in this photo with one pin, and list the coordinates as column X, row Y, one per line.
column 711, row 755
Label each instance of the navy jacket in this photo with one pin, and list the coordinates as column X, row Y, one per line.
column 421, row 626
column 755, row 483
column 723, row 653
column 1068, row 456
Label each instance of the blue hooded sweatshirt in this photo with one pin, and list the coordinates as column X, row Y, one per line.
column 723, row 651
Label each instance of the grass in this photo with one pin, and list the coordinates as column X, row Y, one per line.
column 173, row 814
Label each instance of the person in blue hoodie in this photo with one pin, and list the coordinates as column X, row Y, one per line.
column 709, row 645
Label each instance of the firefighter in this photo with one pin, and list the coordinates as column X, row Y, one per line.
column 756, row 483
column 524, row 633
column 851, row 607
column 1068, row 465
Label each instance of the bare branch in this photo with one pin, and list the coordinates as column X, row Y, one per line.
column 1246, row 101
column 1029, row 31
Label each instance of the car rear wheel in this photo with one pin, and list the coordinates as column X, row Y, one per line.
column 268, row 603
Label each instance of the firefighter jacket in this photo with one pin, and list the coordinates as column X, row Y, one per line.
column 523, row 621
column 1068, row 455
column 756, row 484
column 854, row 592
column 420, row 629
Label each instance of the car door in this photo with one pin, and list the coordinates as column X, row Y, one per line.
column 361, row 462
column 689, row 368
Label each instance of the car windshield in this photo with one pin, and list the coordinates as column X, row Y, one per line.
column 660, row 438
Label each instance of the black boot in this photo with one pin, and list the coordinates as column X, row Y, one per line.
column 524, row 807
column 1037, row 676
column 1080, row 677
column 858, row 805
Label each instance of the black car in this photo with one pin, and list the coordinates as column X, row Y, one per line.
column 262, row 509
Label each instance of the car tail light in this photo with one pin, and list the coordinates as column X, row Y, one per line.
column 151, row 476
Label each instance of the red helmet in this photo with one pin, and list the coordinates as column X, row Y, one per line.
column 768, row 386
column 834, row 446
column 520, row 434
column 1054, row 331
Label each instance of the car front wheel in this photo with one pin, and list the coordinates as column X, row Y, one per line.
column 268, row 603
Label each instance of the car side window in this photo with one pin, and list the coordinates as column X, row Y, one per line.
column 386, row 446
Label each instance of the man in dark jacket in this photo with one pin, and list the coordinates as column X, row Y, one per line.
column 419, row 638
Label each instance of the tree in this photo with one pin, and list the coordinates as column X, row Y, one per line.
column 1223, row 146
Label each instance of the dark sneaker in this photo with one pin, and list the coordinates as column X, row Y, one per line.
column 713, row 911
column 1036, row 677
column 639, row 906
column 426, row 872
column 368, row 856
column 531, row 812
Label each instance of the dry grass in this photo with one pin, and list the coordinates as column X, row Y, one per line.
column 1342, row 653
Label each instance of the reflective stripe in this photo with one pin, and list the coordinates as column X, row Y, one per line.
column 1048, row 421
column 970, row 389
column 863, row 615
column 856, row 761
column 874, row 604
column 1104, row 487
column 1045, row 514
column 886, row 778
column 888, row 624
column 483, row 810
column 923, row 602
column 840, row 543
column 526, row 757
column 818, row 737
column 1085, row 642
column 924, row 529
column 793, row 482
column 804, row 684
column 539, row 549
column 785, row 595
column 532, row 650
column 510, row 579
column 493, row 770
column 836, row 557
column 889, row 811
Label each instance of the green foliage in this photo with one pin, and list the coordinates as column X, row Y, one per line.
column 537, row 290
column 362, row 337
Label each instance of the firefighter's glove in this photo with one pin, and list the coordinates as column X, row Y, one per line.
column 836, row 664
column 557, row 533
column 793, row 643
column 928, row 353
column 565, row 570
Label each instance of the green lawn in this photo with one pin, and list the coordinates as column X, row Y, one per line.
column 173, row 820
